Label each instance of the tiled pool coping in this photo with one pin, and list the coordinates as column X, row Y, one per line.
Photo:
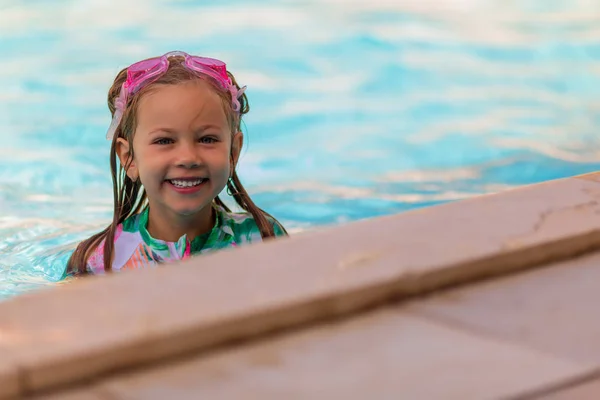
column 100, row 325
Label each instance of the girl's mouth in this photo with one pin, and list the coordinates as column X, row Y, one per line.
column 186, row 186
column 186, row 183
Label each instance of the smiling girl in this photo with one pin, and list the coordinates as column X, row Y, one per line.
column 176, row 137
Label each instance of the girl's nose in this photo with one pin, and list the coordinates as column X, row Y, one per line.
column 188, row 156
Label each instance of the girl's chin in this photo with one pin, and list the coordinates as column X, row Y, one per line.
column 189, row 210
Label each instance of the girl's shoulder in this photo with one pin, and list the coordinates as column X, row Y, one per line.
column 127, row 240
column 243, row 226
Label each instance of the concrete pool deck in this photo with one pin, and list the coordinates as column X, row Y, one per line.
column 338, row 312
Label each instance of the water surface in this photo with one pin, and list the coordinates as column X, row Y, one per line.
column 357, row 109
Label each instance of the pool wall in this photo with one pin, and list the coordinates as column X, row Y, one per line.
column 103, row 326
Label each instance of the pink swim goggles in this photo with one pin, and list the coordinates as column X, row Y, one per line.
column 147, row 71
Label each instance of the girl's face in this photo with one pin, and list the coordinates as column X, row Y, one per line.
column 184, row 151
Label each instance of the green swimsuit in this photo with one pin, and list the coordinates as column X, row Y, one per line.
column 135, row 248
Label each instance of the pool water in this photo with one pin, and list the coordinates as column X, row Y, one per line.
column 357, row 109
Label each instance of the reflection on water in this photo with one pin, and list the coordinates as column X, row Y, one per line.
column 358, row 109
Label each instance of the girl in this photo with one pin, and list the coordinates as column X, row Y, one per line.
column 176, row 133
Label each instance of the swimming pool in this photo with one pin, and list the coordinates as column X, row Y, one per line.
column 357, row 109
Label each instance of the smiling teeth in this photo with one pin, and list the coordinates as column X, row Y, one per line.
column 184, row 184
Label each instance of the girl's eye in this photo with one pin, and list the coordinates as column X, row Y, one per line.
column 163, row 141
column 208, row 140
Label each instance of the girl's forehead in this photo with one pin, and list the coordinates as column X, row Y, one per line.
column 197, row 90
column 181, row 103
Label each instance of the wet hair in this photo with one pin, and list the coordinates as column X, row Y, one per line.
column 130, row 197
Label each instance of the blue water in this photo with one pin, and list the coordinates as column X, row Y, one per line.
column 357, row 110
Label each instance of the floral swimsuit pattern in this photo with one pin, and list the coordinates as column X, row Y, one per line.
column 134, row 247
